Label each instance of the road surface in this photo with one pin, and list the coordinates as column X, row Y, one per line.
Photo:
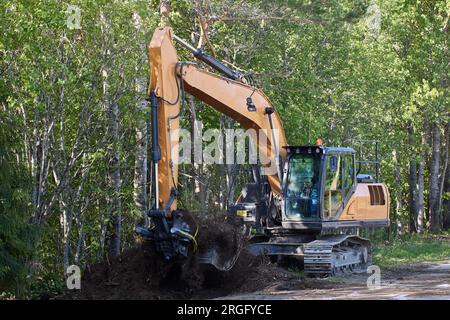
column 428, row 281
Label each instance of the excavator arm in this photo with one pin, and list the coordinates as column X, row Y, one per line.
column 226, row 93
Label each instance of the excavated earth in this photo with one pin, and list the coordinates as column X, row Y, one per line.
column 141, row 273
column 135, row 276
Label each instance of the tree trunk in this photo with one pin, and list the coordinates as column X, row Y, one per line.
column 115, row 181
column 398, row 193
column 413, row 205
column 141, row 165
column 202, row 176
column 446, row 200
column 80, row 241
column 195, row 187
column 66, row 225
column 444, row 175
column 34, row 165
column 222, row 174
column 421, row 184
column 230, row 173
column 433, row 202
column 141, row 160
column 164, row 12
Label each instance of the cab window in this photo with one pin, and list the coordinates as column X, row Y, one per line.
column 332, row 200
column 348, row 174
column 302, row 189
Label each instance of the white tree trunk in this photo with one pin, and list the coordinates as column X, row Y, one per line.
column 34, row 164
column 141, row 160
column 444, row 172
column 412, row 179
column 230, row 173
column 433, row 203
column 398, row 193
column 421, row 184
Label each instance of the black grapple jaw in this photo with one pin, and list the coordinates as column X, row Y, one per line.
column 172, row 237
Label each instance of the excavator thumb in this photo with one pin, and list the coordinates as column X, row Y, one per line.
column 179, row 238
column 173, row 238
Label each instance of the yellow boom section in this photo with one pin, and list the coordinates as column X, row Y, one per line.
column 226, row 96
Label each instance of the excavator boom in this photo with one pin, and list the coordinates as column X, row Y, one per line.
column 226, row 93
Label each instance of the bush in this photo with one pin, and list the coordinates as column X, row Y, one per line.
column 16, row 232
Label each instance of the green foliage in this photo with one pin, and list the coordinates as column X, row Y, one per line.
column 46, row 284
column 297, row 272
column 17, row 236
column 411, row 249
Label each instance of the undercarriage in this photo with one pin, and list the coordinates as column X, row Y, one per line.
column 320, row 255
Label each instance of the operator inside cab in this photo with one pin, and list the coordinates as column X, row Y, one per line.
column 302, row 191
column 319, row 142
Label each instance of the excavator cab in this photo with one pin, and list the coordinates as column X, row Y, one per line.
column 319, row 182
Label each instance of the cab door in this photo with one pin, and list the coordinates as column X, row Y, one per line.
column 339, row 183
column 332, row 191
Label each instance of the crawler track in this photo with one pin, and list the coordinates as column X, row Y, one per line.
column 337, row 255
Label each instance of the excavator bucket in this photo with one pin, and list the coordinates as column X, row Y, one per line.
column 221, row 246
column 213, row 257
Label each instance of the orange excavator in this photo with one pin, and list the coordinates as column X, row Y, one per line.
column 307, row 202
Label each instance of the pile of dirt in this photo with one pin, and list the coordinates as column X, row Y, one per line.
column 141, row 273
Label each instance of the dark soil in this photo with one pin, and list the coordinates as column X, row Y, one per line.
column 141, row 273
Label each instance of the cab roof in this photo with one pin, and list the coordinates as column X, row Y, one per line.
column 313, row 149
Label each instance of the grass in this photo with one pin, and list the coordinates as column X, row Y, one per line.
column 412, row 249
column 296, row 272
column 403, row 250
